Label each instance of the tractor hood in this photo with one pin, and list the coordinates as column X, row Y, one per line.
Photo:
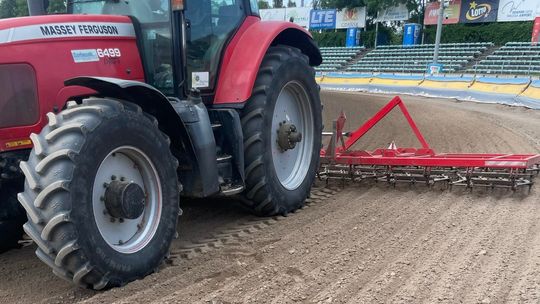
column 39, row 53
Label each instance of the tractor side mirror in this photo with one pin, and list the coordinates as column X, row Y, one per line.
column 37, row 7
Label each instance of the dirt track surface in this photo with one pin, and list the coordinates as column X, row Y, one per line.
column 363, row 244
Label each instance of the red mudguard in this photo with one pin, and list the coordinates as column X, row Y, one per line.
column 245, row 53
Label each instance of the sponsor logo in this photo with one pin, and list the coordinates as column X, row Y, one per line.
column 80, row 56
column 350, row 14
column 111, row 55
column 81, row 29
column 477, row 11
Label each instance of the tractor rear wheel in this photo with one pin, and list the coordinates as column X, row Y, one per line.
column 101, row 193
column 12, row 216
column 282, row 127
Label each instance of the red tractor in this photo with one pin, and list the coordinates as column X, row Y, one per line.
column 118, row 108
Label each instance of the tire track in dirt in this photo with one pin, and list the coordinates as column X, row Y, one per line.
column 321, row 255
column 504, row 257
column 425, row 256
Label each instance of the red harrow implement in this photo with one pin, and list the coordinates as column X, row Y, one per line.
column 420, row 165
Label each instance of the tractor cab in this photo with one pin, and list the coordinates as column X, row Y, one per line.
column 181, row 46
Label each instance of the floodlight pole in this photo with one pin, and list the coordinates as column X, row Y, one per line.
column 376, row 29
column 439, row 32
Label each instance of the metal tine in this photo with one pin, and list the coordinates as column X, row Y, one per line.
column 463, row 177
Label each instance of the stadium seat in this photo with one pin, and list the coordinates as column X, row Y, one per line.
column 522, row 58
column 414, row 59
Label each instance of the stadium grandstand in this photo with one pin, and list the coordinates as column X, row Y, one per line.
column 514, row 58
column 415, row 58
column 521, row 58
column 336, row 58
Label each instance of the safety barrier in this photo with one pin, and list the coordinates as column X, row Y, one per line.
column 395, row 83
column 531, row 96
column 357, row 82
column 510, row 91
column 497, row 90
column 442, row 86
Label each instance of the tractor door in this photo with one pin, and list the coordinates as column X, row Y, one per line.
column 211, row 24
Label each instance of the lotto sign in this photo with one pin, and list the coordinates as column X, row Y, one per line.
column 322, row 19
column 477, row 11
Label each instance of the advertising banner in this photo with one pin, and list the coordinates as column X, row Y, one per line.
column 411, row 34
column 451, row 13
column 322, row 19
column 536, row 31
column 273, row 14
column 477, row 11
column 394, row 13
column 517, row 10
column 298, row 15
column 352, row 35
column 351, row 17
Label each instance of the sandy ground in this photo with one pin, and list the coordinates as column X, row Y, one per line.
column 363, row 244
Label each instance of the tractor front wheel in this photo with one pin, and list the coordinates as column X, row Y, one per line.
column 282, row 126
column 101, row 193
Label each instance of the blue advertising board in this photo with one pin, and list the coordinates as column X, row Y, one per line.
column 435, row 68
column 352, row 37
column 322, row 19
column 411, row 34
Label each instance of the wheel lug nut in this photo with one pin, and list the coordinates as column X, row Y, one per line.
column 122, row 179
column 121, row 220
column 105, row 185
column 120, row 242
column 113, row 177
column 113, row 220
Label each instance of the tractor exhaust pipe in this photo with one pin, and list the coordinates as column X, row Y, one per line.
column 37, row 7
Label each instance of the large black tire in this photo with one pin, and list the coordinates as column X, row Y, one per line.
column 265, row 195
column 59, row 198
column 12, row 216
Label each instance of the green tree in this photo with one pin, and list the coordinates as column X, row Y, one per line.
column 373, row 6
column 291, row 4
column 13, row 8
column 278, row 3
column 57, row 7
column 263, row 4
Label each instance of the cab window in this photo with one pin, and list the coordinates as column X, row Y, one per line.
column 211, row 23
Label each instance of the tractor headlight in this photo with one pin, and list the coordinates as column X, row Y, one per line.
column 18, row 96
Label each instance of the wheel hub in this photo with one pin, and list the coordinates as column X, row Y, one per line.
column 125, row 200
column 288, row 136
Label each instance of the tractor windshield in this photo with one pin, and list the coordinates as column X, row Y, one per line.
column 210, row 24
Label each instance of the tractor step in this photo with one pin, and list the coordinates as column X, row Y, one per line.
column 420, row 165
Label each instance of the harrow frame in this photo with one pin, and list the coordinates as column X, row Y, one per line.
column 395, row 164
